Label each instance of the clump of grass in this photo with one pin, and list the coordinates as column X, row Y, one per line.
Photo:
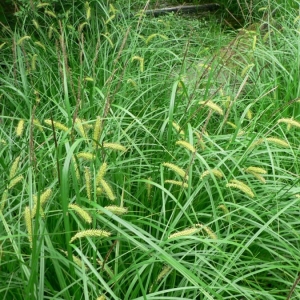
column 93, row 112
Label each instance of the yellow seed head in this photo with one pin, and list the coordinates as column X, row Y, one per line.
column 90, row 233
column 99, row 191
column 101, row 173
column 246, row 69
column 185, row 232
column 86, row 156
column 249, row 114
column 22, row 39
column 41, row 45
column 278, row 142
column 289, row 121
column 177, row 128
column 81, row 212
column 108, row 39
column 80, row 128
column 180, row 183
column 141, row 61
column 208, row 231
column 15, row 181
column 20, row 128
column 36, row 24
column 224, row 208
column 216, row 172
column 42, row 5
column 76, row 168
column 152, row 36
column 256, row 170
column 50, row 13
column 213, row 106
column 81, row 26
column 14, row 168
column 102, row 297
column 97, row 131
column 114, row 146
column 89, row 79
column 44, row 197
column 176, row 169
column 117, row 210
column 110, row 19
column 186, row 145
column 3, row 200
column 87, row 177
column 87, row 10
column 28, row 224
column 107, row 189
column 56, row 125
column 240, row 186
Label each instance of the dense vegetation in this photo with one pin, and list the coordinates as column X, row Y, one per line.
column 149, row 158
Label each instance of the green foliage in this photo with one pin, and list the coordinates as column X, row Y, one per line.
column 148, row 158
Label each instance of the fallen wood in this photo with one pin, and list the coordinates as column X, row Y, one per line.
column 184, row 9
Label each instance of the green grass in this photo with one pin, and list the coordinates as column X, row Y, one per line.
column 140, row 80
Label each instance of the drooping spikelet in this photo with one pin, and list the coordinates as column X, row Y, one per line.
column 101, row 173
column 152, row 36
column 76, row 168
column 76, row 260
column 278, row 142
column 44, row 197
column 80, row 128
column 185, row 232
column 102, row 297
column 50, row 13
column 56, row 125
column 289, row 121
column 3, row 200
column 225, row 210
column 107, row 189
column 15, row 181
column 90, row 233
column 114, row 146
column 177, row 128
column 97, row 132
column 186, row 145
column 22, row 39
column 165, row 270
column 256, row 170
column 216, row 172
column 20, row 128
column 117, row 210
column 14, row 168
column 180, row 183
column 141, row 61
column 87, row 10
column 240, row 186
column 81, row 212
column 176, row 169
column 213, row 106
column 208, row 231
column 87, row 177
column 86, row 156
column 28, row 224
